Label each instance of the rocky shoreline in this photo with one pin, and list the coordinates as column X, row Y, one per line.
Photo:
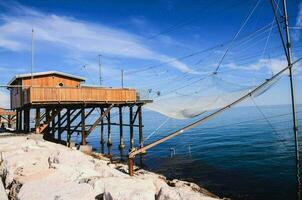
column 34, row 169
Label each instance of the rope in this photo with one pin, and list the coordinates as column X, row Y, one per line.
column 236, row 35
column 269, row 123
column 161, row 125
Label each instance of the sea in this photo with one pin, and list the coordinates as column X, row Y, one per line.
column 246, row 153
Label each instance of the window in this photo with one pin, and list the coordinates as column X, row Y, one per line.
column 61, row 84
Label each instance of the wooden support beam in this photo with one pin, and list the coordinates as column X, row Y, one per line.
column 68, row 127
column 59, row 126
column 140, row 128
column 9, row 121
column 37, row 119
column 122, row 145
column 94, row 125
column 61, row 118
column 131, row 128
column 70, row 120
column 53, row 130
column 17, row 120
column 83, row 126
column 102, row 127
column 109, row 142
column 135, row 116
column 50, row 115
column 79, row 124
column 26, row 120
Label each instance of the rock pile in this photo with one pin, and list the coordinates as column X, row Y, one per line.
column 33, row 169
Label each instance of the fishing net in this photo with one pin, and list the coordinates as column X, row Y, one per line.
column 213, row 95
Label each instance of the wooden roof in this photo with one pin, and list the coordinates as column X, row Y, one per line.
column 20, row 76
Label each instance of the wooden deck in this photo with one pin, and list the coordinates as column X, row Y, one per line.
column 72, row 95
column 44, row 95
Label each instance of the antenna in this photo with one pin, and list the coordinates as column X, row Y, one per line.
column 32, row 56
column 100, row 69
column 122, row 78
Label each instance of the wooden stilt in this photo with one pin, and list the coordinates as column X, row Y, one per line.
column 17, row 120
column 21, row 120
column 26, row 120
column 121, row 146
column 131, row 128
column 53, row 128
column 102, row 127
column 37, row 119
column 59, row 126
column 47, row 118
column 109, row 143
column 130, row 166
column 140, row 123
column 9, row 121
column 68, row 127
column 83, row 126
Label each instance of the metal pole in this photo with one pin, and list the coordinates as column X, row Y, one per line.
column 122, row 78
column 292, row 90
column 100, row 70
column 32, row 56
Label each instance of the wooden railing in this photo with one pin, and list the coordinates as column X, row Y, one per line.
column 82, row 94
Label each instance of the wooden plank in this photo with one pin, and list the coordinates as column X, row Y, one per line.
column 99, row 119
column 64, row 94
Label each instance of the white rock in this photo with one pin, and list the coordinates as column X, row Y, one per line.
column 52, row 171
column 128, row 189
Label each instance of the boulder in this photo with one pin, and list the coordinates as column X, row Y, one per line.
column 116, row 188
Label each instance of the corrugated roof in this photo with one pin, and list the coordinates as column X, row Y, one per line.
column 45, row 73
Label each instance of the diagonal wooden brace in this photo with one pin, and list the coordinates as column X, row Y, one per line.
column 94, row 125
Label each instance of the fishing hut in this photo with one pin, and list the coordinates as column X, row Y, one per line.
column 61, row 104
column 7, row 117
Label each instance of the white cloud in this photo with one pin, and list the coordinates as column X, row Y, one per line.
column 273, row 65
column 74, row 36
column 4, row 99
column 296, row 36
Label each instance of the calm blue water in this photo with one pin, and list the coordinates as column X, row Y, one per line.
column 237, row 155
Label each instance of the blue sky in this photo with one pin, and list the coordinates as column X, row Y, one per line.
column 146, row 39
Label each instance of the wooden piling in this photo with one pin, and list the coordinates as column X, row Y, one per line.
column 53, row 128
column 83, row 126
column 140, row 127
column 109, row 142
column 59, row 126
column 26, row 124
column 102, row 127
column 37, row 120
column 122, row 145
column 68, row 127
column 131, row 128
column 17, row 120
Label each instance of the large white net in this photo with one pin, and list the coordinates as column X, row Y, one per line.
column 212, row 96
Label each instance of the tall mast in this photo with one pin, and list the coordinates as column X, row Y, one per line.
column 32, row 56
column 100, row 70
column 292, row 89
